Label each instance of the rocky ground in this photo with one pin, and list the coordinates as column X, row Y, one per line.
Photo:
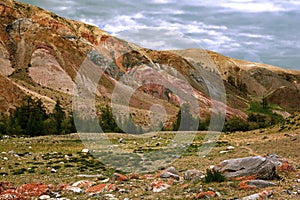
column 61, row 167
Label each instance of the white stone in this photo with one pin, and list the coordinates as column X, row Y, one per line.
column 74, row 189
column 5, row 158
column 44, row 197
column 230, row 148
column 223, row 152
column 85, row 150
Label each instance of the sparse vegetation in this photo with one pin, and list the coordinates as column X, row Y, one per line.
column 213, row 176
column 31, row 119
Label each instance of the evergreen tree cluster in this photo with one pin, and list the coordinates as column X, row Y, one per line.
column 31, row 119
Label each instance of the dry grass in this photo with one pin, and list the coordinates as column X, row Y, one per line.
column 37, row 156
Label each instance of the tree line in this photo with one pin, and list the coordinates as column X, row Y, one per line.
column 31, row 119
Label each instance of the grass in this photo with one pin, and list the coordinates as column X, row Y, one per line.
column 37, row 156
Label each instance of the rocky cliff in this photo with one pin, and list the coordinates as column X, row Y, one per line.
column 45, row 55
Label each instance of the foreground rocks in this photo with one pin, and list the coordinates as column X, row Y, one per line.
column 249, row 171
column 256, row 167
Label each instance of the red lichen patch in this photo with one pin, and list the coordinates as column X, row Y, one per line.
column 5, row 186
column 33, row 190
column 11, row 194
column 244, row 178
column 285, row 166
column 147, row 176
column 101, row 188
column 61, row 187
column 244, row 186
column 158, row 186
column 184, row 186
column 204, row 195
column 83, row 184
column 118, row 177
column 134, row 175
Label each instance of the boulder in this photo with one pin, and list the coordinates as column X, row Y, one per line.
column 254, row 184
column 257, row 167
column 193, row 175
column 170, row 172
column 258, row 196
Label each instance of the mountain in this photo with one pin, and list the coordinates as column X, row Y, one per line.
column 47, row 56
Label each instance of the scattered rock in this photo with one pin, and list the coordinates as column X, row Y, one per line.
column 258, row 166
column 118, row 177
column 206, row 195
column 26, row 191
column 90, row 176
column 170, row 172
column 74, row 189
column 101, row 188
column 230, row 147
column 85, row 151
column 158, row 186
column 223, row 152
column 134, row 175
column 5, row 186
column 262, row 195
column 195, row 175
column 43, row 197
column 83, row 184
column 122, row 141
column 265, row 137
column 254, row 184
column 53, row 170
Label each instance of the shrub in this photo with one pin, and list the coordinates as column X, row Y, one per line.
column 214, row 176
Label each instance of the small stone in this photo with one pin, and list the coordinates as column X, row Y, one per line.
column 85, row 150
column 44, row 197
column 30, row 147
column 298, row 181
column 193, row 175
column 122, row 191
column 218, row 194
column 170, row 172
column 11, row 152
column 223, row 152
column 205, row 195
column 5, row 158
column 53, row 170
column 74, row 189
column 265, row 137
column 158, row 186
column 83, row 184
column 122, row 141
column 118, row 177
column 230, row 148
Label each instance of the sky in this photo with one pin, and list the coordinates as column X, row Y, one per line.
column 255, row 30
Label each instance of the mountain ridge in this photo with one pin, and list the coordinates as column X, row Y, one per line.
column 42, row 53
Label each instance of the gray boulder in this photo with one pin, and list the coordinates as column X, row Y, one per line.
column 257, row 166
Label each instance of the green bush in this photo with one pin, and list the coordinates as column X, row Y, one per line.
column 214, row 176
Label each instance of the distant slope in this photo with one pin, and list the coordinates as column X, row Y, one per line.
column 42, row 53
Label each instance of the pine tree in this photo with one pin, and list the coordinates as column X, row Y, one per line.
column 58, row 116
